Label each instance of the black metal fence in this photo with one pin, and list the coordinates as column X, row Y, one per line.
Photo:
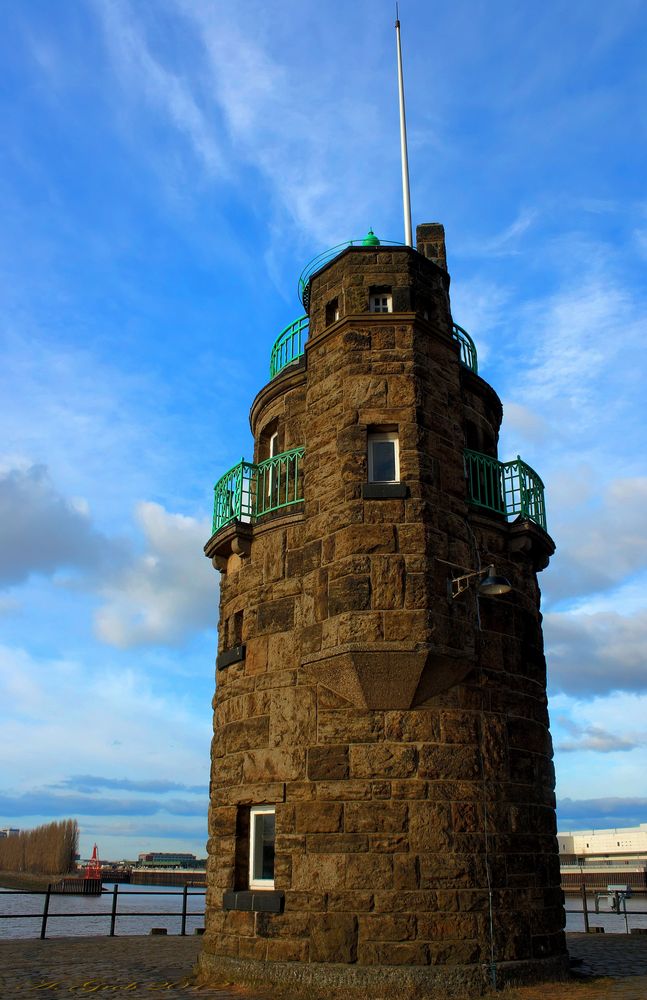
column 619, row 907
column 114, row 911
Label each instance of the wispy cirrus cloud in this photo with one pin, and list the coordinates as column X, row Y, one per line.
column 144, row 75
column 505, row 243
column 244, row 104
column 596, row 739
column 579, row 335
column 601, row 812
column 89, row 783
column 44, row 803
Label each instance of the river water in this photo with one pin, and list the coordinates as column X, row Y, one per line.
column 89, row 916
column 613, row 923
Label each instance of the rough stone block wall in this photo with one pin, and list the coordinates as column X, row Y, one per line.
column 406, row 749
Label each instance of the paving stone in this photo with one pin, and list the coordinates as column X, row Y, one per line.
column 614, row 967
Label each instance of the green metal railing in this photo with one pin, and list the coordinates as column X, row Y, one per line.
column 327, row 255
column 509, row 488
column 249, row 491
column 289, row 345
column 467, row 348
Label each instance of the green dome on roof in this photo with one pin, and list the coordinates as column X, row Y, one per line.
column 370, row 240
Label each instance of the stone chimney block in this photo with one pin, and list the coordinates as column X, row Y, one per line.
column 430, row 242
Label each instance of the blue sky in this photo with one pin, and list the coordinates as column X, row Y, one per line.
column 167, row 169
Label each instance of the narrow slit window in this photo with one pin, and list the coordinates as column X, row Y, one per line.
column 261, row 847
column 383, row 457
column 272, row 474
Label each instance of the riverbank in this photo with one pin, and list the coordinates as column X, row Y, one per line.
column 28, row 881
column 610, row 967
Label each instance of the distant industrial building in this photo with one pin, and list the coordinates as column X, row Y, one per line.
column 8, row 831
column 157, row 859
column 598, row 858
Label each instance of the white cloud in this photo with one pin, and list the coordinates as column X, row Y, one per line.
column 640, row 239
column 577, row 334
column 169, row 592
column 595, row 654
column 244, row 105
column 601, row 742
column 598, row 813
column 525, row 424
column 287, row 125
column 596, row 739
column 41, row 531
column 603, row 540
column 503, row 244
column 583, row 347
column 142, row 74
column 479, row 306
column 58, row 712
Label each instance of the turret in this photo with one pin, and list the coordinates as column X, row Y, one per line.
column 382, row 804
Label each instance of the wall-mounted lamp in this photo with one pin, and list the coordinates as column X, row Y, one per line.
column 490, row 584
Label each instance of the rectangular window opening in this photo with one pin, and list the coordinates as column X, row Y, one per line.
column 261, row 847
column 383, row 457
column 272, row 474
column 235, row 629
column 380, row 299
column 332, row 311
column 382, row 303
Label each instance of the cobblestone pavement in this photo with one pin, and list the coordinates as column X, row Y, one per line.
column 128, row 966
column 611, row 967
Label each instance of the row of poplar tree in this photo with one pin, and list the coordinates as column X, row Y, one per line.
column 46, row 850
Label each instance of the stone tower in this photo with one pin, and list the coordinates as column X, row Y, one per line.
column 382, row 790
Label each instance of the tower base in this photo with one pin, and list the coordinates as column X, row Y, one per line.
column 367, row 982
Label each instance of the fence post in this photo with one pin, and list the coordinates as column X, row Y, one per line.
column 113, row 912
column 585, row 908
column 185, row 893
column 43, row 926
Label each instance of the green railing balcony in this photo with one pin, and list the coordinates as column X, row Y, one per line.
column 467, row 348
column 248, row 492
column 370, row 240
column 509, row 488
column 289, row 346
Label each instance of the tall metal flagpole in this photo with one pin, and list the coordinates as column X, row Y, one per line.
column 406, row 197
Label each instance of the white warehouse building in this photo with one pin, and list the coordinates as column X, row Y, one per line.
column 597, row 858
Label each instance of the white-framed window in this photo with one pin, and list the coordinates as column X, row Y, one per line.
column 261, row 847
column 383, row 457
column 381, row 302
column 274, row 444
